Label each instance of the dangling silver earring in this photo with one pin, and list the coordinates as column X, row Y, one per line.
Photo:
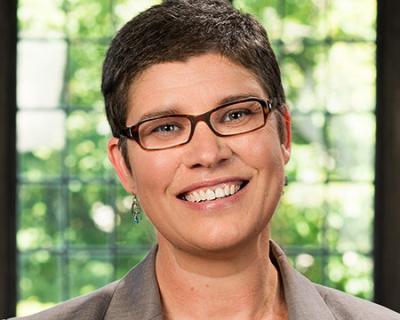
column 136, row 210
column 286, row 181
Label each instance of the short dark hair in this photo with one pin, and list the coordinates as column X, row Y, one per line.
column 177, row 30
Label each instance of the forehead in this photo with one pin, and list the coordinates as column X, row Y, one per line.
column 192, row 86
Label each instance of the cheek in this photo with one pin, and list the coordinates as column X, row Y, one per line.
column 261, row 150
column 152, row 169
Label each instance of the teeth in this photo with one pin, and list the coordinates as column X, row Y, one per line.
column 227, row 190
column 212, row 194
column 219, row 193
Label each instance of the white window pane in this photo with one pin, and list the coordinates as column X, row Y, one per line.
column 40, row 130
column 40, row 73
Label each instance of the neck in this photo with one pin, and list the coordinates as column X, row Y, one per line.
column 240, row 285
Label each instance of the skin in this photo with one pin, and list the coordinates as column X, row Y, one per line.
column 212, row 261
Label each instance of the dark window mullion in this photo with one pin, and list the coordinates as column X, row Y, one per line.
column 387, row 174
column 8, row 250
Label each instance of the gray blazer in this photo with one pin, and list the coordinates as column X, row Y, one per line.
column 136, row 297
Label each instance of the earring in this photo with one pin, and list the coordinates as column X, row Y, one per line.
column 286, row 181
column 136, row 210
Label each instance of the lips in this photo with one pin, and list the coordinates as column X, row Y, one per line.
column 213, row 192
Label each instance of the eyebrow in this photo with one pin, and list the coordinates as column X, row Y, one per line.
column 236, row 97
column 158, row 114
column 168, row 111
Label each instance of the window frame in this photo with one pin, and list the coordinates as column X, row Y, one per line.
column 8, row 219
column 387, row 170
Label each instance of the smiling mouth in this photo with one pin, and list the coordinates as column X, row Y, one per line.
column 220, row 191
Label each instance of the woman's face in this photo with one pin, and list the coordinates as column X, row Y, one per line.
column 161, row 179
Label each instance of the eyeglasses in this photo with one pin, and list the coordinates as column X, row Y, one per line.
column 229, row 119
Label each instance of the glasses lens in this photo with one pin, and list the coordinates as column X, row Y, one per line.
column 238, row 118
column 164, row 132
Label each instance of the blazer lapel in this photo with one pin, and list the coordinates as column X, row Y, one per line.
column 137, row 296
column 302, row 298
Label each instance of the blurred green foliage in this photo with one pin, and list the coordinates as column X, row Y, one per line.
column 75, row 233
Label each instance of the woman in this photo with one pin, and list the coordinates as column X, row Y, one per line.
column 201, row 137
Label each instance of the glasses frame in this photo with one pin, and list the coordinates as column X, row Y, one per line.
column 132, row 132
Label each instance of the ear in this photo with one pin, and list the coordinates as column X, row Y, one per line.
column 286, row 145
column 116, row 158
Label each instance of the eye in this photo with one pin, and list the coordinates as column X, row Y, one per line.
column 166, row 128
column 163, row 128
column 236, row 115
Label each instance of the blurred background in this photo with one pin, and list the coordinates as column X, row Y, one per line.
column 74, row 232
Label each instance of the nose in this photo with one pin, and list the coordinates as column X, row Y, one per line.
column 205, row 149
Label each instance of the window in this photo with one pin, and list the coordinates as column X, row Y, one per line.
column 75, row 233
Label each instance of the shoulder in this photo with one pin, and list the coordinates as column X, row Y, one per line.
column 90, row 306
column 345, row 306
column 310, row 301
column 135, row 296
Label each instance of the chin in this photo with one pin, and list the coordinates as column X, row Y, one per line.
column 224, row 243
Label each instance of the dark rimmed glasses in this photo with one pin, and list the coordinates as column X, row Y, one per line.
column 229, row 119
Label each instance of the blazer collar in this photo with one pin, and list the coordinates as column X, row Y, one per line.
column 137, row 295
column 302, row 298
